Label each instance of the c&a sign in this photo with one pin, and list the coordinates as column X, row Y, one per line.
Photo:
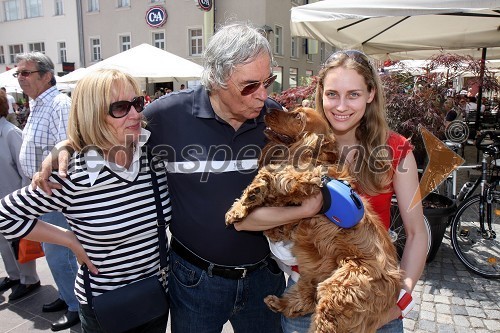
column 156, row 16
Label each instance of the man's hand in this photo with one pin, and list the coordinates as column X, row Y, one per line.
column 57, row 160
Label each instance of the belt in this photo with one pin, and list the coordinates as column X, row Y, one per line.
column 229, row 272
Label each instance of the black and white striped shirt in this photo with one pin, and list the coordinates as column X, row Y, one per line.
column 111, row 212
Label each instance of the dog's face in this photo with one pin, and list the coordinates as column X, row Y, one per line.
column 287, row 127
column 301, row 136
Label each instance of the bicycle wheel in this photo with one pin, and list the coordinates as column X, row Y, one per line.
column 478, row 254
column 398, row 234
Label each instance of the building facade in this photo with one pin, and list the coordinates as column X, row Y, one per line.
column 79, row 33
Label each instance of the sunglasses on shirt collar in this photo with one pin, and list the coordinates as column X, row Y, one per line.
column 121, row 108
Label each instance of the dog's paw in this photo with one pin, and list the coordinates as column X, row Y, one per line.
column 255, row 194
column 273, row 303
column 237, row 213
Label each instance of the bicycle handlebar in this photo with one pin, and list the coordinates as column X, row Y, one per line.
column 492, row 134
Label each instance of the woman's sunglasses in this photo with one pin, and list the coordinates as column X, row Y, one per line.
column 356, row 55
column 252, row 87
column 121, row 108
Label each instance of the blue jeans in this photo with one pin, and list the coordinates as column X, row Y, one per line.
column 301, row 324
column 395, row 326
column 62, row 263
column 200, row 303
column 91, row 325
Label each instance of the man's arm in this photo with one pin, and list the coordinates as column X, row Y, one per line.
column 57, row 160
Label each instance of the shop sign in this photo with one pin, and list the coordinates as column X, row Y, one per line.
column 156, row 16
column 205, row 5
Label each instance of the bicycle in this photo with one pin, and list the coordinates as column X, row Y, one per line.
column 473, row 235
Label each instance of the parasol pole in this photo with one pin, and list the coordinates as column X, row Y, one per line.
column 480, row 92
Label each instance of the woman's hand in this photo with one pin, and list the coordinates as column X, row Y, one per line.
column 81, row 255
column 312, row 205
column 393, row 313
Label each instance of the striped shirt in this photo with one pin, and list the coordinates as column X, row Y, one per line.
column 46, row 126
column 113, row 216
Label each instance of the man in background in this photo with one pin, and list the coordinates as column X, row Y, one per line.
column 46, row 125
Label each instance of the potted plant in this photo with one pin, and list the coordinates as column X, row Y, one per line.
column 417, row 100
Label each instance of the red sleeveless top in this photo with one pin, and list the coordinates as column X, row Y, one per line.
column 381, row 203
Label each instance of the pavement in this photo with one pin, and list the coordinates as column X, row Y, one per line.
column 449, row 298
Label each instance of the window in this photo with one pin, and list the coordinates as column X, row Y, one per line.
column 33, row 47
column 61, row 47
column 123, row 3
column 294, row 48
column 95, row 49
column 293, row 78
column 11, row 9
column 159, row 40
column 93, row 5
column 155, row 1
column 322, row 52
column 278, row 40
column 278, row 83
column 13, row 50
column 125, row 43
column 58, row 8
column 2, row 55
column 308, row 77
column 33, row 8
column 195, row 42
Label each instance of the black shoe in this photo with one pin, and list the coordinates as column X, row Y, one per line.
column 22, row 290
column 8, row 283
column 57, row 305
column 70, row 318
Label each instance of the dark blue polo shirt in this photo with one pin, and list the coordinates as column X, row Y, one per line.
column 209, row 165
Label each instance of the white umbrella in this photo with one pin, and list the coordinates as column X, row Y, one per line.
column 476, row 53
column 145, row 61
column 8, row 81
column 386, row 26
column 11, row 84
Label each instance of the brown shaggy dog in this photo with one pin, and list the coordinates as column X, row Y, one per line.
column 348, row 277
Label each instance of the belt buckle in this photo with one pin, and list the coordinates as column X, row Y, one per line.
column 244, row 271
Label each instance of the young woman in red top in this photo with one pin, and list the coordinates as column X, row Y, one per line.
column 350, row 96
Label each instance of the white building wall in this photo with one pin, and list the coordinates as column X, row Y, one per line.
column 48, row 28
column 109, row 22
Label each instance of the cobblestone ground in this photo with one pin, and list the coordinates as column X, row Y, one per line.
column 452, row 299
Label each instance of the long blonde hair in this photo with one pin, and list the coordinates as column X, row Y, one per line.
column 372, row 131
column 89, row 107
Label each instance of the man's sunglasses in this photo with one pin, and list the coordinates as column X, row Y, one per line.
column 121, row 108
column 252, row 87
column 24, row 73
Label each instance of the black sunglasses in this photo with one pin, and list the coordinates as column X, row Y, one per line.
column 121, row 108
column 252, row 87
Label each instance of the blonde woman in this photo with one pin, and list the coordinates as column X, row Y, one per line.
column 106, row 198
